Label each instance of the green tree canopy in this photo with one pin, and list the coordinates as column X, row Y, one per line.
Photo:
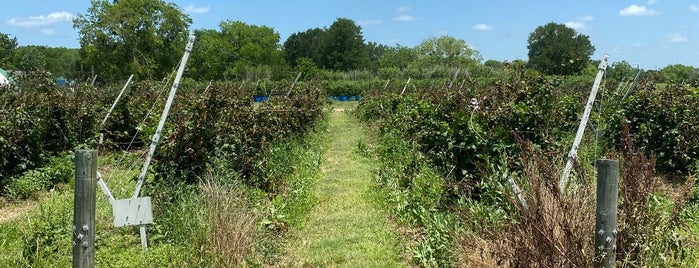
column 59, row 61
column 7, row 49
column 237, row 51
column 399, row 57
column 621, row 70
column 559, row 50
column 33, row 59
column 344, row 47
column 376, row 52
column 141, row 37
column 495, row 64
column 679, row 73
column 308, row 44
column 446, row 51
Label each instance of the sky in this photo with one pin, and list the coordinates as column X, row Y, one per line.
column 650, row 34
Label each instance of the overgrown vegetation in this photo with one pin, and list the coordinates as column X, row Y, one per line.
column 232, row 175
column 447, row 154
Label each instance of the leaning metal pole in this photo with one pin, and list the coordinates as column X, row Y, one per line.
column 163, row 117
column 573, row 154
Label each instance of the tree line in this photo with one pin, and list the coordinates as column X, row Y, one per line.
column 146, row 38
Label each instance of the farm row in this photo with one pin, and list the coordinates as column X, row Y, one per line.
column 447, row 155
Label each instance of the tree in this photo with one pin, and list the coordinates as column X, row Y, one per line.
column 399, row 57
column 446, row 51
column 7, row 49
column 33, row 59
column 308, row 44
column 559, row 50
column 59, row 61
column 376, row 52
column 621, row 70
column 344, row 47
column 141, row 37
column 495, row 64
column 678, row 73
column 237, row 51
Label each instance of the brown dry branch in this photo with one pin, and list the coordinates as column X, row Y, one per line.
column 556, row 231
column 638, row 182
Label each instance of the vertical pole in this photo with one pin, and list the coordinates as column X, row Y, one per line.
column 84, row 210
column 606, row 212
column 573, row 154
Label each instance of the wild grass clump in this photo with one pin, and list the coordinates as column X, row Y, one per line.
column 231, row 222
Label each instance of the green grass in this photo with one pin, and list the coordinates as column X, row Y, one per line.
column 346, row 228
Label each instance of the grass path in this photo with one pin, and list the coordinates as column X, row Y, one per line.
column 345, row 228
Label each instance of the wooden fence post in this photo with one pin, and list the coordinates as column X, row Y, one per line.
column 84, row 211
column 606, row 212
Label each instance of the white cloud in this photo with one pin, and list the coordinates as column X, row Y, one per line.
column 652, row 2
column 636, row 10
column 404, row 18
column 43, row 20
column 404, row 9
column 483, row 27
column 577, row 25
column 369, row 22
column 637, row 44
column 197, row 10
column 581, row 23
column 693, row 8
column 48, row 31
column 676, row 38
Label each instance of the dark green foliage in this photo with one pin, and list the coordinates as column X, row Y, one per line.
column 340, row 47
column 7, row 50
column 308, row 44
column 227, row 120
column 664, row 124
column 140, row 37
column 40, row 121
column 59, row 170
column 237, row 51
column 59, row 61
column 557, row 49
column 344, row 47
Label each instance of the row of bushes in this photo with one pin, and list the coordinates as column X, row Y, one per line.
column 471, row 137
column 39, row 121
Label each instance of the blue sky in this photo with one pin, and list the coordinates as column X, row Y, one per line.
column 649, row 33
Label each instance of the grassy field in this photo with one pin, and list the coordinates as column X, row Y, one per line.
column 346, row 228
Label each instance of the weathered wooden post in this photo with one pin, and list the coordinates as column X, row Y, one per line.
column 606, row 212
column 84, row 211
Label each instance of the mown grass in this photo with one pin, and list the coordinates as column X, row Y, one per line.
column 346, row 228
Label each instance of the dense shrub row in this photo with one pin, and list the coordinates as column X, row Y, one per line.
column 221, row 120
column 471, row 136
column 39, row 120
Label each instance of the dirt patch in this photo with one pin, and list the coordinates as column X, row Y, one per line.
column 338, row 110
column 11, row 211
